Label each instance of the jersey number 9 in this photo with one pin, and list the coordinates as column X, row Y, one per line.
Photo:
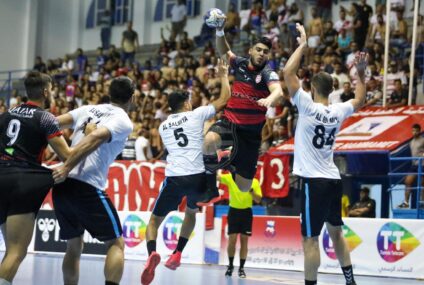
column 13, row 131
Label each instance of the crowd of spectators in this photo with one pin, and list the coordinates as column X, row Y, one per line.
column 332, row 47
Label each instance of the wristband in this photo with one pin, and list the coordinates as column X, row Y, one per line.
column 220, row 33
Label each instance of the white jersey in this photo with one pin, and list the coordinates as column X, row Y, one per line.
column 182, row 135
column 94, row 168
column 316, row 130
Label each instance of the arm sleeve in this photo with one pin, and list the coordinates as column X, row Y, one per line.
column 50, row 125
column 303, row 102
column 225, row 179
column 346, row 109
column 271, row 77
column 256, row 187
column 77, row 114
column 119, row 129
column 205, row 112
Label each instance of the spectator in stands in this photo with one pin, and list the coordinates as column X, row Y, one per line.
column 343, row 43
column 339, row 74
column 129, row 44
column 315, row 33
column 100, row 58
column 360, row 25
column 366, row 9
column 185, row 45
column 257, row 19
column 399, row 97
column 178, row 18
column 113, row 53
column 329, row 36
column 374, row 95
column 232, row 24
column 334, row 96
column 379, row 11
column 156, row 144
column 81, row 61
column 417, row 150
column 347, row 92
column 142, row 145
column 324, row 9
column 378, row 30
column 399, row 34
column 354, row 48
column 365, row 207
column 395, row 74
column 129, row 151
column 40, row 65
column 105, row 23
column 343, row 23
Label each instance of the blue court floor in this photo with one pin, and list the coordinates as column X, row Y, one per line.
column 46, row 270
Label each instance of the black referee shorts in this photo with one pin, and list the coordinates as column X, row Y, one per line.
column 246, row 144
column 321, row 202
column 174, row 188
column 240, row 221
column 22, row 188
column 80, row 206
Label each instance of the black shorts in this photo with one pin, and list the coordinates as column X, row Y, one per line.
column 174, row 188
column 80, row 206
column 240, row 221
column 321, row 202
column 246, row 142
column 22, row 188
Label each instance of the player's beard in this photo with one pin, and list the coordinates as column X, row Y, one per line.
column 258, row 66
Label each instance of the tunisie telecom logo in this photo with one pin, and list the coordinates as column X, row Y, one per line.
column 394, row 242
column 171, row 231
column 352, row 241
column 134, row 230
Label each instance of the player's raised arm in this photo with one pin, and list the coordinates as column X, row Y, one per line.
column 290, row 70
column 361, row 62
column 221, row 42
column 225, row 95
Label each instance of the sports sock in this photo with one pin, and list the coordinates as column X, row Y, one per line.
column 151, row 246
column 182, row 241
column 242, row 262
column 111, row 283
column 231, row 261
column 308, row 282
column 348, row 274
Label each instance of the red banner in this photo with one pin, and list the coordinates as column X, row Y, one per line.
column 134, row 186
column 373, row 129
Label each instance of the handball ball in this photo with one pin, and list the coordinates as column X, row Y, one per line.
column 214, row 18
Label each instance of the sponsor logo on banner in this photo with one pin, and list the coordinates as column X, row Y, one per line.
column 394, row 242
column 270, row 229
column 47, row 238
column 134, row 230
column 352, row 241
column 171, row 231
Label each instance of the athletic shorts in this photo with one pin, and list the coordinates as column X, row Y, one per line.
column 240, row 221
column 80, row 206
column 22, row 188
column 321, row 202
column 174, row 188
column 246, row 144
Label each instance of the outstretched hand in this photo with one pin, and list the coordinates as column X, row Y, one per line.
column 361, row 63
column 222, row 68
column 223, row 19
column 301, row 40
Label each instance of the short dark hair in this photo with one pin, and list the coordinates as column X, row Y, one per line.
column 263, row 40
column 121, row 90
column 365, row 189
column 416, row 126
column 176, row 99
column 323, row 83
column 35, row 84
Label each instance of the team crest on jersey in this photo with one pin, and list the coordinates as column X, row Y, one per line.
column 258, row 78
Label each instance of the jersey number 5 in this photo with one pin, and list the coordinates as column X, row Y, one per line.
column 320, row 140
column 181, row 137
column 13, row 131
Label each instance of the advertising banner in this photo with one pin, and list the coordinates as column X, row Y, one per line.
column 275, row 243
column 373, row 129
column 134, row 226
column 378, row 247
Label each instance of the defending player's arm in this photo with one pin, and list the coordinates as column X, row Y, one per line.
column 86, row 146
column 222, row 44
column 290, row 70
column 225, row 95
column 361, row 61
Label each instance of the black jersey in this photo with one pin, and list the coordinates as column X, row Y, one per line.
column 25, row 131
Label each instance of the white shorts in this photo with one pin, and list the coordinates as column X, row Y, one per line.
column 313, row 41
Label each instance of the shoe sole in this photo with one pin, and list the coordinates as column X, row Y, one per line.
column 149, row 271
column 172, row 266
